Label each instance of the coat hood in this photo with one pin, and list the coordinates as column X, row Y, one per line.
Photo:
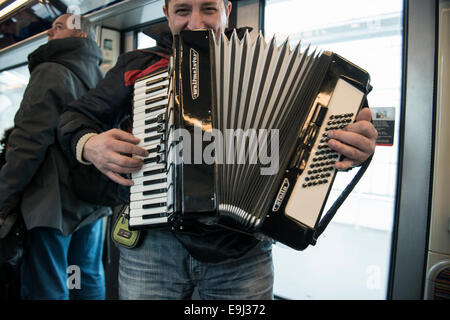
column 81, row 55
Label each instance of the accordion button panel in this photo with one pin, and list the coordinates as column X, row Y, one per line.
column 149, row 194
column 312, row 187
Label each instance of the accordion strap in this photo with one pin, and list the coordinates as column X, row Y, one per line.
column 332, row 211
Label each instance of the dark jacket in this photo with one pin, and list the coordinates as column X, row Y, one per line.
column 36, row 174
column 106, row 106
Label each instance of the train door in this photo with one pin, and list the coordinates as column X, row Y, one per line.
column 437, row 285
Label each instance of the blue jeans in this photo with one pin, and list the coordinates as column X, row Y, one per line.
column 161, row 268
column 54, row 264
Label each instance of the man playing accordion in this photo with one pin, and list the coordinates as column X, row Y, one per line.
column 169, row 264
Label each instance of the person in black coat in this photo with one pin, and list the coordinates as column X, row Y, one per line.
column 65, row 233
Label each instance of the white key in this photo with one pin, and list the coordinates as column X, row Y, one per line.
column 152, row 187
column 161, row 93
column 142, row 105
column 148, row 81
column 140, row 173
column 152, row 177
column 146, row 93
column 148, row 135
column 139, row 221
column 140, row 119
column 141, row 212
column 145, row 116
column 141, row 197
column 150, row 144
column 140, row 88
column 140, row 129
column 155, row 126
column 148, row 167
column 140, row 204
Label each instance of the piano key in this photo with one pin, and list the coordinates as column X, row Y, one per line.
column 150, row 136
column 151, row 194
column 142, row 98
column 154, row 156
column 155, row 86
column 152, row 165
column 146, row 180
column 150, row 144
column 150, row 203
column 161, row 209
column 145, row 104
column 148, row 112
column 145, row 209
column 156, row 116
column 154, row 78
column 160, row 148
column 147, row 169
column 150, row 126
column 139, row 221
column 160, row 73
column 147, row 92
column 140, row 188
column 153, row 126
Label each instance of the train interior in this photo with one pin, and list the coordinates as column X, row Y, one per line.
column 390, row 240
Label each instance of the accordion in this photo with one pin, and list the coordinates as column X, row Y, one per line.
column 237, row 135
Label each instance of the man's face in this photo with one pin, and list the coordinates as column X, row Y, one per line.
column 197, row 14
column 61, row 29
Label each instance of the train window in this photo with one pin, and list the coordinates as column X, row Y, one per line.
column 38, row 17
column 351, row 259
column 86, row 7
column 13, row 83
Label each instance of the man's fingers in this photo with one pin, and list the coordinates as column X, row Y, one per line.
column 124, row 167
column 340, row 138
column 124, row 136
column 356, row 155
column 128, row 148
column 119, row 179
column 345, row 164
column 356, row 142
column 364, row 115
column 364, row 128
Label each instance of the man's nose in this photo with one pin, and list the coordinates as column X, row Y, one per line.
column 196, row 21
column 50, row 32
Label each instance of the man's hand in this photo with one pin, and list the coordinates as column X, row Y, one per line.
column 105, row 152
column 356, row 142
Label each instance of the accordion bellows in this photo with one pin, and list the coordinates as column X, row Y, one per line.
column 241, row 133
column 265, row 87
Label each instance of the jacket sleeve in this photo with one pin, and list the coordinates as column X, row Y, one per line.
column 99, row 110
column 51, row 86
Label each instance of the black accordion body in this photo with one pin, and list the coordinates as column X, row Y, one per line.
column 237, row 135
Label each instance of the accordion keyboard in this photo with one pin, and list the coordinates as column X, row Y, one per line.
column 148, row 195
column 312, row 187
